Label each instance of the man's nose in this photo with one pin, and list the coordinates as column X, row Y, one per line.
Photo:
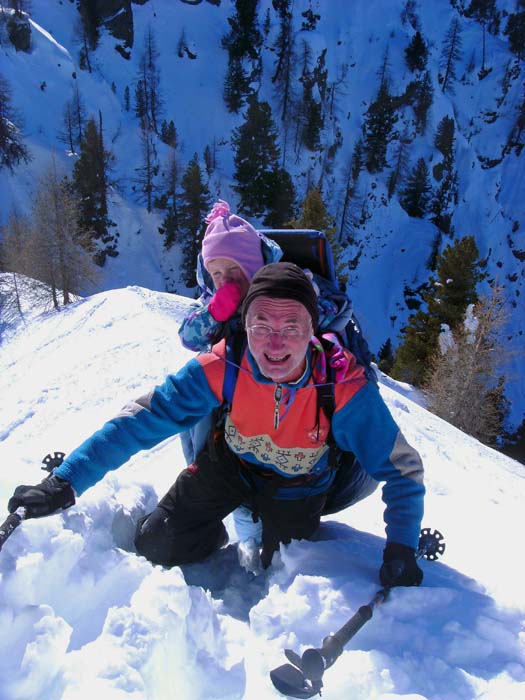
column 276, row 339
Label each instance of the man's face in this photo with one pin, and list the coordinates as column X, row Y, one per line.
column 280, row 356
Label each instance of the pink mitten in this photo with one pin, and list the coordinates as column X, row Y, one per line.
column 225, row 302
column 336, row 356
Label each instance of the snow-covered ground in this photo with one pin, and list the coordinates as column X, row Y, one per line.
column 81, row 616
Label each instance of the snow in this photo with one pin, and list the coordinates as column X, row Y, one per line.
column 81, row 615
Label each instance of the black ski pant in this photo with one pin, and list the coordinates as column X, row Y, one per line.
column 186, row 526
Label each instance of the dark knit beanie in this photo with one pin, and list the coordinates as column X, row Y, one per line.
column 283, row 280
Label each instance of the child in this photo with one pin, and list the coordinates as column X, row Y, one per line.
column 232, row 251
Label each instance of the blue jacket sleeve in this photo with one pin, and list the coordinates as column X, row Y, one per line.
column 180, row 402
column 199, row 330
column 365, row 427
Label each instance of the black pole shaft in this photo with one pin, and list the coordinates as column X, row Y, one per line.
column 334, row 644
column 10, row 523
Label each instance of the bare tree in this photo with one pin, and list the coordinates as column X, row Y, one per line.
column 14, row 236
column 464, row 385
column 55, row 254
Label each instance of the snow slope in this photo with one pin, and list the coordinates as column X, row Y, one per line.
column 82, row 616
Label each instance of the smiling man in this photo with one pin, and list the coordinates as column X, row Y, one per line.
column 277, row 452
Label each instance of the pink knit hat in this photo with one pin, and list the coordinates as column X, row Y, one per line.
column 229, row 236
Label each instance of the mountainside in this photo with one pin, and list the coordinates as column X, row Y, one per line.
column 353, row 46
column 83, row 616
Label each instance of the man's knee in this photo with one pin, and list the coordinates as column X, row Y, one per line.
column 158, row 539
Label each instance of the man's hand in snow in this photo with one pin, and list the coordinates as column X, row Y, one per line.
column 399, row 566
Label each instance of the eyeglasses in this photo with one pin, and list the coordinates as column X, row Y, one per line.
column 263, row 332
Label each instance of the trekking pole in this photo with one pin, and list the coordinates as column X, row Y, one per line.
column 14, row 519
column 302, row 677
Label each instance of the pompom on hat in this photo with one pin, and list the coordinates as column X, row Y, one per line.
column 230, row 236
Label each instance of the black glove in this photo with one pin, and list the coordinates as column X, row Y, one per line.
column 399, row 566
column 44, row 498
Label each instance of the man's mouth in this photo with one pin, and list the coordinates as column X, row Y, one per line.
column 276, row 359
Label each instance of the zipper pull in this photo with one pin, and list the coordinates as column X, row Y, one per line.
column 277, row 398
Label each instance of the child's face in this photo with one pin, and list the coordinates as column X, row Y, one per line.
column 223, row 270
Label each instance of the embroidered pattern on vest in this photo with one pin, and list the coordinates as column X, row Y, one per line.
column 289, row 461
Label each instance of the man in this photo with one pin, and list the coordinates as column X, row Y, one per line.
column 274, row 453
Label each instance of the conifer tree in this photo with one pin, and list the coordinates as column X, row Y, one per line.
column 314, row 215
column 377, row 129
column 170, row 223
column 236, row 85
column 515, row 30
column 422, row 96
column 243, row 44
column 445, row 196
column 91, row 21
column 194, row 205
column 279, row 195
column 168, row 133
column 90, row 178
column 444, row 138
column 415, row 197
column 416, row 53
column 88, row 30
column 458, row 272
column 258, row 175
column 451, row 53
column 353, row 171
column 283, row 76
column 400, row 167
column 385, row 356
column 12, row 147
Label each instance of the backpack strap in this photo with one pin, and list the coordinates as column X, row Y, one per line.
column 326, row 403
column 235, row 344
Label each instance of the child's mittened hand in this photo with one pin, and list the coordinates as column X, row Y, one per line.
column 225, row 302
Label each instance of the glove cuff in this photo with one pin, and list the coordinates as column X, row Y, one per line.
column 396, row 550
